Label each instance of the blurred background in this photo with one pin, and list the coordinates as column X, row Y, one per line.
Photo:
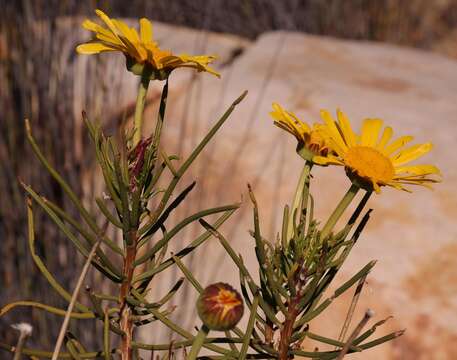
column 41, row 78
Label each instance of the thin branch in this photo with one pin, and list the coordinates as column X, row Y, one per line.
column 368, row 315
column 352, row 307
column 74, row 296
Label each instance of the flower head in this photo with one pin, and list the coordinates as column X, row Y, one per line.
column 371, row 159
column 140, row 49
column 310, row 140
column 220, row 307
column 23, row 328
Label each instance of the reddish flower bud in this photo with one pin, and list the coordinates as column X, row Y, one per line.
column 220, row 307
column 136, row 161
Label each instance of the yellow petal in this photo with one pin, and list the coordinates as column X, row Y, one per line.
column 411, row 154
column 288, row 117
column 100, row 32
column 335, row 140
column 349, row 136
column 418, row 170
column 151, row 49
column 376, row 187
column 111, row 40
column 327, row 160
column 277, row 110
column 126, row 31
column 418, row 179
column 167, row 60
column 370, row 132
column 145, row 30
column 289, row 122
column 130, row 39
column 212, row 71
column 425, row 182
column 386, row 136
column 92, row 26
column 304, row 127
column 93, row 48
column 397, row 185
column 397, row 144
column 107, row 21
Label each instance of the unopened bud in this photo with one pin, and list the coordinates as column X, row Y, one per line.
column 220, row 307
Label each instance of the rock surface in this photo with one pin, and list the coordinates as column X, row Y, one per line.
column 413, row 236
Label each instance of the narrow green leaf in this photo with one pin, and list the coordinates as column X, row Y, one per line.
column 91, row 239
column 124, row 195
column 151, row 227
column 89, row 219
column 148, row 275
column 169, row 235
column 188, row 274
column 81, row 248
column 107, row 213
column 51, row 309
column 72, row 350
column 41, row 266
column 249, row 329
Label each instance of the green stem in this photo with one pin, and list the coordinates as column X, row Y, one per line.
column 249, row 329
column 198, row 343
column 139, row 108
column 185, row 334
column 161, row 115
column 339, row 210
column 301, row 195
column 106, row 336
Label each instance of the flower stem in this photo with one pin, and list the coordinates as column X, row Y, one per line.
column 300, row 197
column 198, row 343
column 161, row 116
column 139, row 108
column 339, row 210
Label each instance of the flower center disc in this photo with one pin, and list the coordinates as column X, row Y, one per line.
column 227, row 298
column 370, row 164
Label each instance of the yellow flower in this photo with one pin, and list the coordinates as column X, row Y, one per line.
column 371, row 159
column 310, row 140
column 140, row 50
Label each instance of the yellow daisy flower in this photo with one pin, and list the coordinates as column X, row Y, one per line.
column 371, row 159
column 310, row 140
column 140, row 49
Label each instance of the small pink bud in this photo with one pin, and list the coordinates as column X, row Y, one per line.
column 220, row 307
column 136, row 161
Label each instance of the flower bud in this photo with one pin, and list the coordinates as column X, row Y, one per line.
column 220, row 307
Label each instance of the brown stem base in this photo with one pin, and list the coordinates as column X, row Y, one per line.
column 126, row 323
column 127, row 328
column 286, row 331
